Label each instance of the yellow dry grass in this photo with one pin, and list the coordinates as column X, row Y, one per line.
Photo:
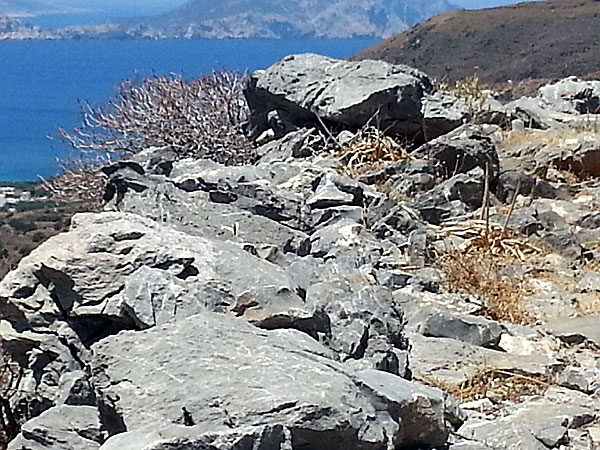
column 495, row 384
column 480, row 274
column 497, row 240
column 370, row 150
column 567, row 136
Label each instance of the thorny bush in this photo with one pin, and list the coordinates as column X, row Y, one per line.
column 201, row 118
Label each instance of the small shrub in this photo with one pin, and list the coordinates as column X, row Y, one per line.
column 472, row 93
column 22, row 225
column 38, row 237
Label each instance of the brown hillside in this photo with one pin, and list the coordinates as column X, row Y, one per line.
column 540, row 40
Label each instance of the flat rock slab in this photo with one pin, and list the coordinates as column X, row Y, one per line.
column 180, row 437
column 537, row 424
column 123, row 267
column 453, row 361
column 227, row 374
column 577, row 330
column 61, row 428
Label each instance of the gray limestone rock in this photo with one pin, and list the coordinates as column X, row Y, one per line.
column 443, row 112
column 462, row 150
column 180, row 437
column 340, row 92
column 590, row 282
column 228, row 374
column 538, row 423
column 471, row 329
column 572, row 95
column 122, row 268
column 61, row 428
column 576, row 330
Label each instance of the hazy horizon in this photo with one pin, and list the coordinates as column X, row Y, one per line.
column 113, row 9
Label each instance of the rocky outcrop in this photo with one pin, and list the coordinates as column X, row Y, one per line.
column 301, row 89
column 294, row 303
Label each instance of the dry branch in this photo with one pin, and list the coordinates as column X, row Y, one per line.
column 201, row 118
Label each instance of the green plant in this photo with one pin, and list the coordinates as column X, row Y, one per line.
column 38, row 237
column 472, row 93
column 22, row 225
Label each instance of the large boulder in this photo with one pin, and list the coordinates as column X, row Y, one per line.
column 572, row 95
column 302, row 87
column 218, row 373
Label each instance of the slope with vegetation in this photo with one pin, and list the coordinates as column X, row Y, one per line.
column 538, row 40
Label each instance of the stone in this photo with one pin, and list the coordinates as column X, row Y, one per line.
column 535, row 113
column 302, row 143
column 575, row 378
column 194, row 213
column 576, row 330
column 75, row 389
column 469, row 445
column 280, row 376
column 340, row 92
column 452, row 361
column 328, row 195
column 463, row 150
column 129, row 270
column 180, row 437
column 419, row 406
column 473, row 330
column 452, row 198
column 61, row 428
column 540, row 422
column 442, row 113
column 572, row 95
column 589, row 283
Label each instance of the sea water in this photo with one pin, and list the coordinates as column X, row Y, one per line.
column 44, row 83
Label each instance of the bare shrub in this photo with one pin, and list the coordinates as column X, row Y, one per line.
column 200, row 118
column 82, row 181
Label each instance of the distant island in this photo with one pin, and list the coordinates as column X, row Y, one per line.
column 250, row 19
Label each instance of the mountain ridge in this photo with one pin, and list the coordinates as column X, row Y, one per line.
column 276, row 18
column 528, row 41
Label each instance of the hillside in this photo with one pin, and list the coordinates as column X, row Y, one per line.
column 277, row 18
column 540, row 40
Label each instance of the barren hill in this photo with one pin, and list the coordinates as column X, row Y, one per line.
column 538, row 40
column 278, row 18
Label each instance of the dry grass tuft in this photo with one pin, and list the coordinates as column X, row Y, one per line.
column 495, row 384
column 497, row 240
column 480, row 274
column 567, row 136
column 369, row 150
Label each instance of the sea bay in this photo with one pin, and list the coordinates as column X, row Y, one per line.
column 43, row 83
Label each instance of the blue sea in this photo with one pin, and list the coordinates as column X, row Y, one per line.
column 42, row 83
